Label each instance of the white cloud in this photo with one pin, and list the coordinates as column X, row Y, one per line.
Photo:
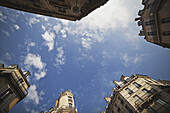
column 63, row 32
column 32, row 44
column 57, row 28
column 40, row 75
column 16, row 27
column 6, row 32
column 32, row 94
column 31, row 110
column 60, row 56
column 2, row 17
column 127, row 60
column 33, row 21
column 42, row 93
column 43, row 27
column 49, row 39
column 113, row 15
column 35, row 61
column 86, row 43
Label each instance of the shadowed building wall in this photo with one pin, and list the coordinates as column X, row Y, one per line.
column 13, row 86
column 155, row 22
column 65, row 9
column 139, row 94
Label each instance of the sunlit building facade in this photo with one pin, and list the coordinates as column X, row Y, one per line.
column 13, row 86
column 155, row 21
column 139, row 94
column 64, row 104
column 65, row 9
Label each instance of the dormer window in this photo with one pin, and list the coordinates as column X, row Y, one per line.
column 142, row 33
column 140, row 12
column 139, row 23
column 143, row 2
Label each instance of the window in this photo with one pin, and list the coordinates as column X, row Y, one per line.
column 5, row 94
column 151, row 22
column 162, row 102
column 165, row 20
column 70, row 105
column 152, row 33
column 137, row 98
column 145, row 90
column 148, row 80
column 151, row 5
column 20, row 80
column 129, row 91
column 121, row 100
column 137, row 85
column 70, row 100
column 69, row 97
column 139, row 23
column 140, row 12
column 118, row 109
column 166, row 33
column 151, row 110
column 129, row 110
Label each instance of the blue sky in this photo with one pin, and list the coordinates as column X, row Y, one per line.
column 84, row 56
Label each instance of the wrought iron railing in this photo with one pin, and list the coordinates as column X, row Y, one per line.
column 145, row 98
column 22, row 87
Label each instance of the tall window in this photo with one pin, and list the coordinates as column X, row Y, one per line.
column 165, row 20
column 70, row 100
column 121, row 100
column 166, row 33
column 148, row 80
column 129, row 110
column 70, row 105
column 137, row 85
column 145, row 90
column 129, row 91
column 137, row 98
column 118, row 109
column 162, row 102
column 5, row 94
column 69, row 97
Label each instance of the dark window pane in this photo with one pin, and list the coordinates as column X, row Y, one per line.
column 129, row 91
column 137, row 85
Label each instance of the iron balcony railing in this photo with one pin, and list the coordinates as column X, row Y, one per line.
column 146, row 98
column 22, row 87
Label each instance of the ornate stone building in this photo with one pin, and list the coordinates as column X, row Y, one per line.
column 65, row 9
column 155, row 21
column 64, row 104
column 139, row 94
column 13, row 86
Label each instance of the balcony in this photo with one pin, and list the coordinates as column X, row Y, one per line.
column 19, row 84
column 146, row 99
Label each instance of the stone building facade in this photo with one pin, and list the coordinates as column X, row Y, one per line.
column 65, row 9
column 155, row 21
column 139, row 94
column 13, row 86
column 64, row 104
